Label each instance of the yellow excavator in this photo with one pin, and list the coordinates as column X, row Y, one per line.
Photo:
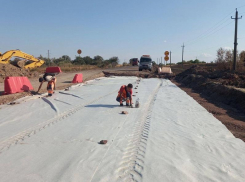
column 33, row 62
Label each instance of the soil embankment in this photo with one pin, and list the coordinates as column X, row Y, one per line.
column 222, row 86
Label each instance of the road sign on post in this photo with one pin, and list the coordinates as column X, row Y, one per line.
column 79, row 51
column 166, row 53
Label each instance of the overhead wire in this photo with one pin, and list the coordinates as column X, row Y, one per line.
column 210, row 47
column 213, row 27
column 241, row 6
column 214, row 33
column 211, row 33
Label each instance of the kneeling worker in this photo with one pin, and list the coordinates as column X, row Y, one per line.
column 125, row 94
column 50, row 78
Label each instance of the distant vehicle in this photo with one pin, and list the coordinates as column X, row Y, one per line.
column 134, row 61
column 145, row 63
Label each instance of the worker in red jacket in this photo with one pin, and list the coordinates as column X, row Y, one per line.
column 125, row 94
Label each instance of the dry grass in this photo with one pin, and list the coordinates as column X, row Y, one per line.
column 72, row 68
column 224, row 66
column 69, row 68
column 229, row 66
column 176, row 69
column 241, row 67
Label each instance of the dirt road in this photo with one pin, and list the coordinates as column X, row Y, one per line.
column 63, row 80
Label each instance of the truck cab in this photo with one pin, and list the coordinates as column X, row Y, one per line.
column 145, row 63
column 134, row 61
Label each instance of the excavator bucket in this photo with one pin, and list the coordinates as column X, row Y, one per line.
column 34, row 65
column 19, row 63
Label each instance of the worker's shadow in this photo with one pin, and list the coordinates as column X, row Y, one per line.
column 102, row 105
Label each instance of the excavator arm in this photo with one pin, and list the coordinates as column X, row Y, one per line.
column 5, row 58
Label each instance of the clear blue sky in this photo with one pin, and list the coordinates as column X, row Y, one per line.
column 123, row 28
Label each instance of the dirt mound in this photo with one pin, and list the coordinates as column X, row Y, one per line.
column 10, row 70
column 222, row 86
column 142, row 74
column 224, row 77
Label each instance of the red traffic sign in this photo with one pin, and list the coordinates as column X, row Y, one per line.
column 166, row 58
column 166, row 53
column 79, row 51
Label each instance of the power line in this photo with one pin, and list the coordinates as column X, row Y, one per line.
column 211, row 33
column 202, row 35
column 241, row 6
column 213, row 27
column 210, row 47
column 209, row 30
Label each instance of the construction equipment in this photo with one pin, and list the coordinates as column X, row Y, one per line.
column 32, row 63
column 145, row 63
column 134, row 61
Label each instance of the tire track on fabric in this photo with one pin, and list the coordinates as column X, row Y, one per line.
column 21, row 136
column 133, row 160
column 113, row 140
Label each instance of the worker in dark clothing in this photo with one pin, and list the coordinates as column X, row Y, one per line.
column 50, row 78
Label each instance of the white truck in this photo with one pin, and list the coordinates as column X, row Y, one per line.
column 145, row 63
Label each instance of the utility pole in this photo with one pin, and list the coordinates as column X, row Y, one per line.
column 235, row 41
column 183, row 54
column 170, row 59
column 161, row 60
column 49, row 59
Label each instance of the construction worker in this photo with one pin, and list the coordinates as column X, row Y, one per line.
column 51, row 86
column 125, row 94
column 47, row 77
